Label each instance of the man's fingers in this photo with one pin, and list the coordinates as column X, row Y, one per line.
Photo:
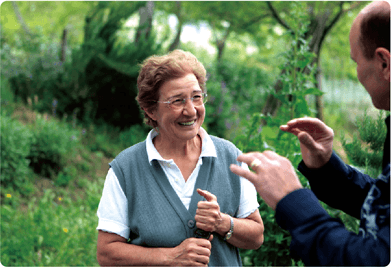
column 207, row 195
column 247, row 158
column 243, row 173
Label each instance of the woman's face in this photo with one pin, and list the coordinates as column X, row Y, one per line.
column 179, row 124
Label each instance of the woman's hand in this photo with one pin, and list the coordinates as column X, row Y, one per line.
column 208, row 216
column 191, row 252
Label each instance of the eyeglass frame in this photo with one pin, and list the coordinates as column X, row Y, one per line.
column 204, row 94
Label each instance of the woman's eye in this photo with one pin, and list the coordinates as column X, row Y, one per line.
column 177, row 101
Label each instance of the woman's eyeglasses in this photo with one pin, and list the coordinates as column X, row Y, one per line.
column 179, row 103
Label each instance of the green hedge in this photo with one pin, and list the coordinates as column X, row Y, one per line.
column 53, row 141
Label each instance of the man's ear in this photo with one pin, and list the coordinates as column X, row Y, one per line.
column 383, row 57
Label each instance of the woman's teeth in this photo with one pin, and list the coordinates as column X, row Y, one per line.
column 188, row 123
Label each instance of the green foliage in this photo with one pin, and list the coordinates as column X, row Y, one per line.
column 132, row 135
column 97, row 81
column 366, row 149
column 297, row 83
column 53, row 141
column 235, row 90
column 16, row 142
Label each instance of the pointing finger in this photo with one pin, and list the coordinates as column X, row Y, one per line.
column 207, row 195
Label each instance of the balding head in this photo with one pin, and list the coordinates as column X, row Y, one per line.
column 374, row 23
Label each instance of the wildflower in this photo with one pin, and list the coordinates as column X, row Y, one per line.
column 8, row 195
column 60, row 198
column 65, row 230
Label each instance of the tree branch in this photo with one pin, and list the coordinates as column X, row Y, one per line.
column 340, row 13
column 252, row 21
column 20, row 18
column 276, row 16
column 335, row 19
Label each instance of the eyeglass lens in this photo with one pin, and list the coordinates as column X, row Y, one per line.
column 197, row 100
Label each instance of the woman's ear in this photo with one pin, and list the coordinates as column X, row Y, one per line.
column 383, row 57
column 151, row 113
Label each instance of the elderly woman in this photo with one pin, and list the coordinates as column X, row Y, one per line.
column 159, row 194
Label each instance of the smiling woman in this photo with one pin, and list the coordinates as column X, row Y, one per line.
column 152, row 202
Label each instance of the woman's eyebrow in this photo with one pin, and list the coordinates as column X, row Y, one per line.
column 180, row 95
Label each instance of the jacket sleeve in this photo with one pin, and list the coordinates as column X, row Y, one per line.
column 339, row 185
column 320, row 240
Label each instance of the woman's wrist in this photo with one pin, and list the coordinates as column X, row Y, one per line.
column 224, row 225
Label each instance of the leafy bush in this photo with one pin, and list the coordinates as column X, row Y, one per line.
column 16, row 142
column 53, row 140
column 235, row 91
column 366, row 150
column 133, row 135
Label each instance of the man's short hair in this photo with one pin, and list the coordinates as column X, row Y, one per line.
column 375, row 31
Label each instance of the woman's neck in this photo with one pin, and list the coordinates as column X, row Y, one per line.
column 169, row 149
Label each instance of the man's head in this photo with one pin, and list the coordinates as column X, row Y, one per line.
column 370, row 49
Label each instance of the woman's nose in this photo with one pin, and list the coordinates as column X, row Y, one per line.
column 189, row 108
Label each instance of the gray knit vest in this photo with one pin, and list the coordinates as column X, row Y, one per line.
column 158, row 218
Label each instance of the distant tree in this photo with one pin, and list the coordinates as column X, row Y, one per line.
column 323, row 15
column 146, row 14
column 226, row 17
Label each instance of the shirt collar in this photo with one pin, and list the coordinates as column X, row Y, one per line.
column 207, row 148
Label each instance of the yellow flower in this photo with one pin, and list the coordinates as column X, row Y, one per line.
column 60, row 198
column 65, row 230
column 8, row 195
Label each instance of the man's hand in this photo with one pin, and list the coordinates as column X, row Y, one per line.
column 208, row 216
column 275, row 177
column 191, row 252
column 316, row 140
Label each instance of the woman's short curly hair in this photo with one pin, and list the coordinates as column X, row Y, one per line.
column 156, row 70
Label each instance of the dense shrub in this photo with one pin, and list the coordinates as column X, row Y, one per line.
column 97, row 81
column 16, row 142
column 133, row 135
column 366, row 149
column 53, row 140
column 235, row 90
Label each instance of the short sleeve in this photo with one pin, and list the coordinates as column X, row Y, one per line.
column 248, row 198
column 113, row 208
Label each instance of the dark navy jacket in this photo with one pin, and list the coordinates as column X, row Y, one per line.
column 319, row 239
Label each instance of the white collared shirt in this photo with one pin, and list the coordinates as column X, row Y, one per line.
column 113, row 207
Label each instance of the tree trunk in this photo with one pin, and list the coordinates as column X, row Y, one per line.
column 176, row 41
column 64, row 45
column 145, row 23
column 221, row 43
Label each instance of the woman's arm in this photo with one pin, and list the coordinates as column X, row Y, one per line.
column 113, row 250
column 247, row 232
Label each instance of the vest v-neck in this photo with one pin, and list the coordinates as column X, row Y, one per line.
column 171, row 195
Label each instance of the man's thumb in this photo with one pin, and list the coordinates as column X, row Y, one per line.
column 306, row 140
